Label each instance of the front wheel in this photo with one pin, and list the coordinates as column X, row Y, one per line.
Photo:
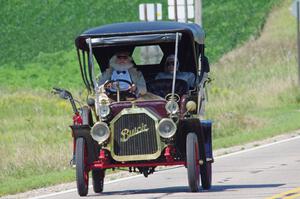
column 192, row 161
column 82, row 173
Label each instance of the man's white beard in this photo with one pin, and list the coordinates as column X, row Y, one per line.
column 121, row 67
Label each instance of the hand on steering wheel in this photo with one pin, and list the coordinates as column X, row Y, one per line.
column 111, row 86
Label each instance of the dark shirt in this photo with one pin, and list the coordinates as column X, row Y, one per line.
column 186, row 76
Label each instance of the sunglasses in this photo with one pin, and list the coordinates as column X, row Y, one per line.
column 122, row 57
column 170, row 63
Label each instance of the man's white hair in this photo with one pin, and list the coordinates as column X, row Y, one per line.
column 113, row 60
column 113, row 63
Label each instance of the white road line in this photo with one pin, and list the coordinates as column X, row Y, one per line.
column 54, row 194
column 72, row 190
column 137, row 176
column 257, row 147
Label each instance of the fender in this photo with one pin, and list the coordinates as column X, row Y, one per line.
column 186, row 126
column 92, row 146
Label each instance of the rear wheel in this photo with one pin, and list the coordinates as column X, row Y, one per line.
column 205, row 171
column 192, row 161
column 98, row 180
column 82, row 173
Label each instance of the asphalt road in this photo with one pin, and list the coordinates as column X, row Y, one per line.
column 270, row 171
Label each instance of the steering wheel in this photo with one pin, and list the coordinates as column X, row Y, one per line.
column 111, row 88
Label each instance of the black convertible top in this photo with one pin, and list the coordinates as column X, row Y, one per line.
column 108, row 39
column 141, row 28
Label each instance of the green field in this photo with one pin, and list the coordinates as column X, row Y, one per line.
column 253, row 95
column 37, row 37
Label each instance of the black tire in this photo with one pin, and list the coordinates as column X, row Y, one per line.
column 192, row 161
column 205, row 171
column 98, row 180
column 82, row 175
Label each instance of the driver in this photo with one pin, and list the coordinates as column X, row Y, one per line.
column 121, row 68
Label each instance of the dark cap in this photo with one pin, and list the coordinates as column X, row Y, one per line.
column 171, row 59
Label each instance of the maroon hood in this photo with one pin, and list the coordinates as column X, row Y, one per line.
column 157, row 106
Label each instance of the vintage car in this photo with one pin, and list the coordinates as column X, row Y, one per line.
column 142, row 133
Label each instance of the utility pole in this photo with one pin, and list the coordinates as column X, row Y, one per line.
column 175, row 10
column 298, row 39
column 185, row 11
column 198, row 12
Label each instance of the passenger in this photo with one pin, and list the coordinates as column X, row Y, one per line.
column 121, row 68
column 169, row 69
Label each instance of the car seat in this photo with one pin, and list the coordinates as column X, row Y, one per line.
column 162, row 87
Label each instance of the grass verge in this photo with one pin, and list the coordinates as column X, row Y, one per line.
column 275, row 121
column 15, row 185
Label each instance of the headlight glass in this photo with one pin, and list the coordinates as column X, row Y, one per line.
column 100, row 132
column 172, row 107
column 191, row 106
column 104, row 110
column 166, row 128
